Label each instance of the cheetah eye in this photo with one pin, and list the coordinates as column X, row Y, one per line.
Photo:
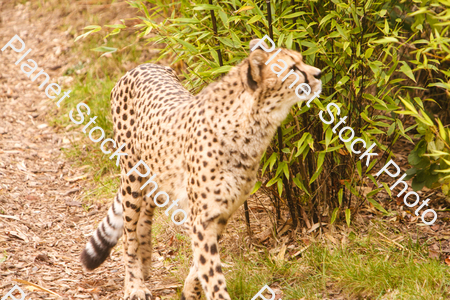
column 295, row 68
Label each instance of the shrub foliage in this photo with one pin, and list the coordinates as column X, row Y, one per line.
column 385, row 65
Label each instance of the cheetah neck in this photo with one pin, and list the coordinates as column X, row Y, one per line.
column 239, row 122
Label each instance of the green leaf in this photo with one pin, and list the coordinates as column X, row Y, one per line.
column 299, row 183
column 342, row 32
column 386, row 40
column 408, row 105
column 348, row 216
column 413, row 158
column 314, row 177
column 418, row 101
column 334, row 215
column 254, row 19
column 417, row 185
column 222, row 69
column 328, row 136
column 228, row 42
column 423, row 163
column 391, row 129
column 186, row 20
column 428, row 120
column 289, row 40
column 421, row 148
column 206, row 7
column 358, row 167
column 272, row 181
column 377, row 205
column 372, row 179
column 243, row 8
column 327, row 17
column 286, row 170
column 105, row 49
column 280, row 186
column 116, row 26
column 187, row 45
column 256, row 188
column 405, row 69
column 320, row 159
column 442, row 132
column 343, row 80
column 340, row 194
column 388, row 190
column 272, row 159
column 296, row 14
column 94, row 28
column 334, row 148
column 373, row 192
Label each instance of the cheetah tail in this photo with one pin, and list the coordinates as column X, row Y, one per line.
column 105, row 236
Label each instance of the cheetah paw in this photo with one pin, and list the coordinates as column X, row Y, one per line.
column 138, row 294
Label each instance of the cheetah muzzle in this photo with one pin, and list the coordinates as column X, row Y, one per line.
column 206, row 151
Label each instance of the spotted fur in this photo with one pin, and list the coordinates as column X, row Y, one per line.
column 205, row 150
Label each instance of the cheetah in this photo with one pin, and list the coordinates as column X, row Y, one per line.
column 205, row 150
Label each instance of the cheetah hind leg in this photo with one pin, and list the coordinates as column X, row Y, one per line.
column 144, row 231
column 192, row 289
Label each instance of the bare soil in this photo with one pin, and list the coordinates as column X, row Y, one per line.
column 43, row 224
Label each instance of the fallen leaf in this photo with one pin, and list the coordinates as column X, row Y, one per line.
column 447, row 260
column 331, row 238
column 42, row 257
column 36, row 286
column 342, row 152
column 280, row 256
column 264, row 235
column 73, row 203
column 435, row 227
column 315, row 226
column 302, row 250
column 18, row 234
column 433, row 254
column 75, row 178
column 21, row 166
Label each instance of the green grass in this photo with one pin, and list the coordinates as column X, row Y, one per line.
column 367, row 267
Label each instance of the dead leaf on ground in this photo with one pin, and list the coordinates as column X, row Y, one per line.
column 447, row 260
column 433, row 254
column 36, row 286
column 73, row 179
column 18, row 234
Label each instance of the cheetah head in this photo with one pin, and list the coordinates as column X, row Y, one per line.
column 278, row 78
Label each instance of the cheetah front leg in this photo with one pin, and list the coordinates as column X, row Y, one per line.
column 206, row 258
column 192, row 289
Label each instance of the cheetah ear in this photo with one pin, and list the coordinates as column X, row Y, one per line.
column 255, row 66
column 254, row 42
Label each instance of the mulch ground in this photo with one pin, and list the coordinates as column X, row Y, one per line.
column 43, row 224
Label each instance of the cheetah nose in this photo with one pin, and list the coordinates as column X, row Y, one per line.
column 318, row 75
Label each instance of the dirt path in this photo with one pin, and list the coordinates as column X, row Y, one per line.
column 43, row 226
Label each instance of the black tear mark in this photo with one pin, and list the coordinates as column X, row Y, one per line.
column 304, row 75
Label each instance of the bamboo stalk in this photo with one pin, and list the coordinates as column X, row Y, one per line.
column 294, row 20
column 287, row 188
column 213, row 18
